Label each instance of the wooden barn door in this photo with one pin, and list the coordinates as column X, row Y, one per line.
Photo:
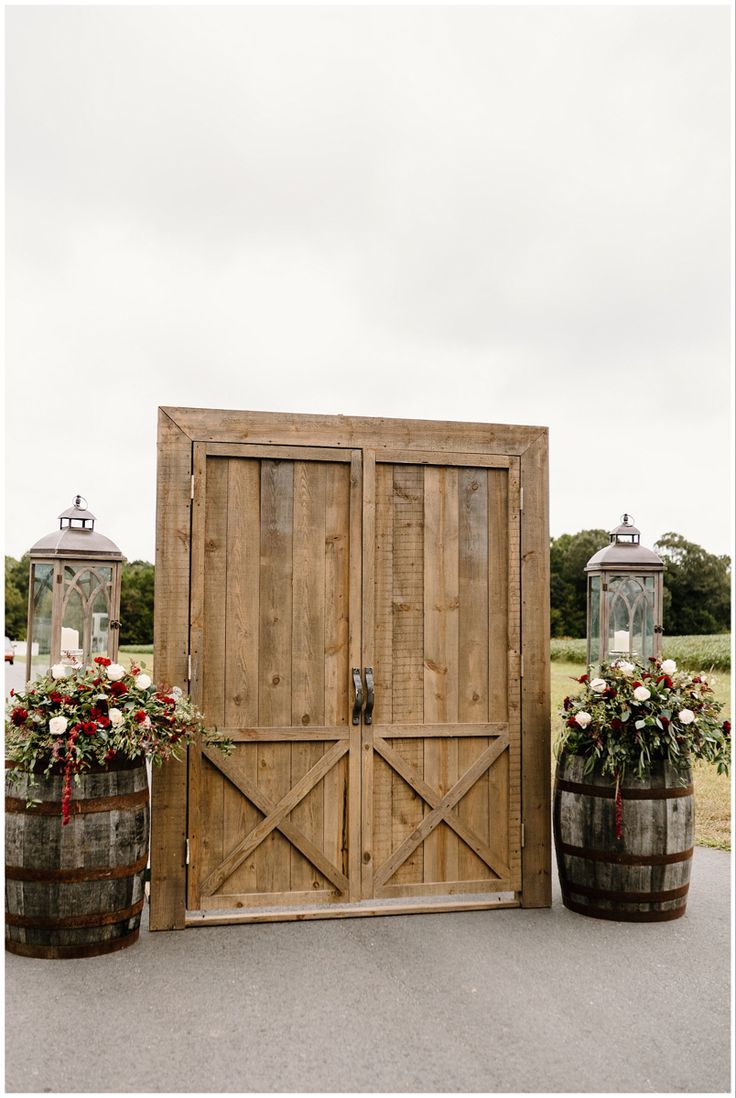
column 275, row 618
column 311, row 565
column 441, row 612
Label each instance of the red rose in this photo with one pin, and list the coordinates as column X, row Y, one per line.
column 697, row 679
column 118, row 689
column 66, row 699
column 665, row 722
column 634, row 685
column 616, row 724
column 12, row 692
column 666, row 680
column 727, row 728
column 19, row 716
column 110, row 755
column 139, row 717
column 583, row 678
column 55, row 697
column 104, row 722
column 103, row 661
column 572, row 723
column 135, row 670
column 90, row 728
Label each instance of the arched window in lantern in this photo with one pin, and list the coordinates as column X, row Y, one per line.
column 74, row 594
column 625, row 582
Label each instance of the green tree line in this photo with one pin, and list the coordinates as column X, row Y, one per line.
column 697, row 585
column 697, row 589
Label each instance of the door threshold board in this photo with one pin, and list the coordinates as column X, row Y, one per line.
column 360, row 908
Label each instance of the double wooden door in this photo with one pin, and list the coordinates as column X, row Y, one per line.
column 355, row 629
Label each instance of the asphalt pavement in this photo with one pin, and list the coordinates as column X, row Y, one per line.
column 500, row 1001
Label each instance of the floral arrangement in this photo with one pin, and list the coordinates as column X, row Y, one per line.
column 632, row 714
column 76, row 717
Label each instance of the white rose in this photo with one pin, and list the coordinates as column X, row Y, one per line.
column 599, row 685
column 146, row 723
column 116, row 717
column 58, row 726
column 626, row 667
column 176, row 692
column 583, row 718
column 669, row 667
column 686, row 716
column 58, row 671
column 143, row 681
column 642, row 694
column 115, row 671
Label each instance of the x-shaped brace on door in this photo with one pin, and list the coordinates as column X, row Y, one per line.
column 441, row 808
column 275, row 816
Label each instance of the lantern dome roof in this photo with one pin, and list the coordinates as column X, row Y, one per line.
column 625, row 551
column 77, row 537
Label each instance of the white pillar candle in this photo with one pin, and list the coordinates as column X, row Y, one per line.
column 621, row 640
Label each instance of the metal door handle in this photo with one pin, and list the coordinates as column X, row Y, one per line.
column 371, row 695
column 358, row 700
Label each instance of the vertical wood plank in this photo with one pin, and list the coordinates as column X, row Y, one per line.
column 273, row 861
column 355, row 853
column 368, row 766
column 241, row 655
column 514, row 671
column 441, row 681
column 171, row 640
column 536, row 868
column 407, row 655
column 209, row 575
column 308, row 657
column 336, row 656
column 382, row 656
column 473, row 565
column 501, row 651
column 195, row 763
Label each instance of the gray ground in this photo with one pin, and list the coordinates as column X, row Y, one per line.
column 478, row 1001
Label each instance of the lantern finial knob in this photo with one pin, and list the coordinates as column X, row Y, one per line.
column 627, row 520
column 79, row 502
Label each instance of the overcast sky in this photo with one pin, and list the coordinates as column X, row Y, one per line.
column 514, row 215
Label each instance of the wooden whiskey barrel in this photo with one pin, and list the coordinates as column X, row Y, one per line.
column 645, row 875
column 76, row 890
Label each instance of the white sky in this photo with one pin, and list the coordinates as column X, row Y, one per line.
column 505, row 214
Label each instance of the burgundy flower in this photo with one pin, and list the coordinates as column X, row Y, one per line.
column 616, row 724
column 566, row 703
column 118, row 689
column 103, row 661
column 666, row 680
column 665, row 722
column 19, row 716
column 111, row 754
column 139, row 717
column 90, row 728
column 727, row 728
column 583, row 678
column 55, row 697
column 572, row 723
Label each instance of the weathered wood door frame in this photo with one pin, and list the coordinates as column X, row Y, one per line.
column 180, row 430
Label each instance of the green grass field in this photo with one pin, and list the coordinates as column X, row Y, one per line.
column 707, row 653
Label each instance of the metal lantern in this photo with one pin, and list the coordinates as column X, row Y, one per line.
column 74, row 594
column 625, row 582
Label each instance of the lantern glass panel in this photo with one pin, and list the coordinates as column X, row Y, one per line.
column 100, row 623
column 43, row 587
column 631, row 616
column 86, row 615
column 594, row 624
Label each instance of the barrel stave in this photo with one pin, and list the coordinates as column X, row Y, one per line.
column 593, row 881
column 78, row 889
